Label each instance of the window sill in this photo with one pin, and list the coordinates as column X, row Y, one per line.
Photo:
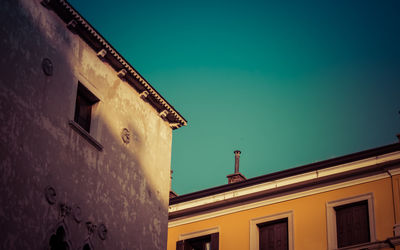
column 85, row 135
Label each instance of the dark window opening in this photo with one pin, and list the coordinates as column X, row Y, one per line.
column 86, row 247
column 352, row 224
column 273, row 235
column 199, row 243
column 206, row 242
column 58, row 240
column 83, row 108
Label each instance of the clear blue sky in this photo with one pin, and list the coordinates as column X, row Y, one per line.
column 286, row 82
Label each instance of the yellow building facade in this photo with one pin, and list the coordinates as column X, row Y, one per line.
column 350, row 202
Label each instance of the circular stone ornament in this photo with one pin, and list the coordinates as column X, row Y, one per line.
column 50, row 194
column 47, row 67
column 102, row 231
column 77, row 214
column 126, row 136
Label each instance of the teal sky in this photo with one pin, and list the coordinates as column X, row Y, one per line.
column 286, row 82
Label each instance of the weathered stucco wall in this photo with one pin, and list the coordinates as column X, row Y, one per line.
column 309, row 218
column 124, row 187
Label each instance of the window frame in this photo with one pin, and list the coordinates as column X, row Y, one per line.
column 84, row 95
column 180, row 244
column 255, row 233
column 331, row 217
column 89, row 91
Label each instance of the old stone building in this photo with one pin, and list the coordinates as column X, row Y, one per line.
column 85, row 140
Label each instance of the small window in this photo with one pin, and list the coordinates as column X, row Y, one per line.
column 83, row 108
column 350, row 221
column 206, row 242
column 86, row 247
column 352, row 224
column 58, row 240
column 199, row 243
column 273, row 232
column 273, row 235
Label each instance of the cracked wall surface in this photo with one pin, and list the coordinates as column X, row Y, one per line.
column 50, row 175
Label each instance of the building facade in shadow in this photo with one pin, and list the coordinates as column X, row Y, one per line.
column 85, row 140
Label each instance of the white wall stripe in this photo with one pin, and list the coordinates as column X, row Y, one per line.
column 204, row 216
column 285, row 181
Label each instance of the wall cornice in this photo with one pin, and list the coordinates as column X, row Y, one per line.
column 106, row 52
column 283, row 189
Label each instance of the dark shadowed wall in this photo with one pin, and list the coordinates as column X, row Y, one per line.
column 56, row 186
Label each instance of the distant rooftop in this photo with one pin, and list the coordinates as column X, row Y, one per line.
column 288, row 173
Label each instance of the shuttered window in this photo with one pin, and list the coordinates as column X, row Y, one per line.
column 206, row 242
column 83, row 108
column 273, row 235
column 352, row 224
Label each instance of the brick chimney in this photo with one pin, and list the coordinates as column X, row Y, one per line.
column 237, row 176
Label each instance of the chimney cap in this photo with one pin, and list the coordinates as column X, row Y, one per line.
column 237, row 176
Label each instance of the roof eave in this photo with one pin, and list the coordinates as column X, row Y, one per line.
column 288, row 172
column 98, row 43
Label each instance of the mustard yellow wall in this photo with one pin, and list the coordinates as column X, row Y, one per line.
column 396, row 194
column 396, row 197
column 309, row 218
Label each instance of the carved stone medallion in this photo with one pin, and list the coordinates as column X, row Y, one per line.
column 91, row 227
column 102, row 231
column 50, row 194
column 47, row 66
column 65, row 210
column 77, row 214
column 126, row 136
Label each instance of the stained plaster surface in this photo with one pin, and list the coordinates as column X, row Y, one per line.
column 124, row 187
